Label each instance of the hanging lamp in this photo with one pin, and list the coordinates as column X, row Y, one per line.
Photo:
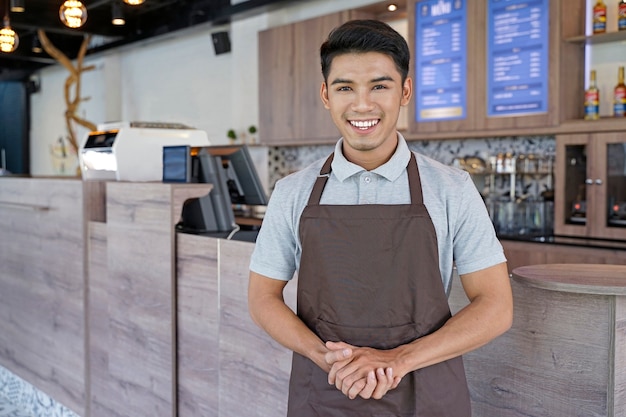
column 8, row 37
column 17, row 6
column 134, row 2
column 73, row 13
column 117, row 14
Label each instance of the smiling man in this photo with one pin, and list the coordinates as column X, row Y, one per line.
column 373, row 232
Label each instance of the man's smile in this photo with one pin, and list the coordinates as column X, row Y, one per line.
column 364, row 124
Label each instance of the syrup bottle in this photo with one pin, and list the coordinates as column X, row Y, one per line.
column 592, row 99
column 599, row 17
column 621, row 15
column 619, row 95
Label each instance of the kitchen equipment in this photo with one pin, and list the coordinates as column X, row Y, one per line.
column 133, row 151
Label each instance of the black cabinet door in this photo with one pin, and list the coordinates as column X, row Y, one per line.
column 14, row 127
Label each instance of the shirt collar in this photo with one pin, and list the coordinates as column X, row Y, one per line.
column 391, row 170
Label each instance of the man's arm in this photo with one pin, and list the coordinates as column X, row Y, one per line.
column 488, row 315
column 269, row 311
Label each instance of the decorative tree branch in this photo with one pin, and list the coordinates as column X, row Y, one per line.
column 73, row 79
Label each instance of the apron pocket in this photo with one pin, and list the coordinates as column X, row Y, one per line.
column 375, row 337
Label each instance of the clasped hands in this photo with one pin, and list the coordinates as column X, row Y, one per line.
column 360, row 371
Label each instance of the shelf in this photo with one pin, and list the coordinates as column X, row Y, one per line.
column 607, row 37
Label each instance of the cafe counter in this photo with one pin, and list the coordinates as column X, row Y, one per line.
column 111, row 312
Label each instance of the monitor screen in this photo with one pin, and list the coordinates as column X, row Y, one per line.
column 242, row 180
column 231, row 172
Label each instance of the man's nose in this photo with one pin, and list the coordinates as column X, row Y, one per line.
column 363, row 101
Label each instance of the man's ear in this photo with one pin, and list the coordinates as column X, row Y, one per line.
column 324, row 95
column 407, row 91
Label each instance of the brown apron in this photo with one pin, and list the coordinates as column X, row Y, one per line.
column 369, row 276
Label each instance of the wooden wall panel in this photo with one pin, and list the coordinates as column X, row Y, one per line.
column 134, row 366
column 99, row 387
column 254, row 370
column 198, row 326
column 42, row 251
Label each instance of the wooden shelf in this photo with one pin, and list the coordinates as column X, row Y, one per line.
column 607, row 37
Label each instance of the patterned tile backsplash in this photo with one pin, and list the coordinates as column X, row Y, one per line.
column 27, row 400
column 284, row 160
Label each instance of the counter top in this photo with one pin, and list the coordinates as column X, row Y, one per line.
column 568, row 241
column 575, row 278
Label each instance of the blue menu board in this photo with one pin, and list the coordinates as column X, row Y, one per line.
column 517, row 57
column 440, row 60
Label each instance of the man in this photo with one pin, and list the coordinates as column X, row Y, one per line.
column 373, row 232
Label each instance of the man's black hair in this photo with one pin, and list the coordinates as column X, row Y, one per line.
column 361, row 36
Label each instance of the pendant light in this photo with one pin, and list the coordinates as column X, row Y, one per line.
column 134, row 2
column 117, row 14
column 73, row 13
column 8, row 38
column 17, row 6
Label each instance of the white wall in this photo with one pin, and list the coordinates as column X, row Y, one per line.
column 174, row 78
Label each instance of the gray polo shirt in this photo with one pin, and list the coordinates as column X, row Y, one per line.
column 465, row 234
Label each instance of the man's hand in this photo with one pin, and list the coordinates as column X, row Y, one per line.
column 360, row 371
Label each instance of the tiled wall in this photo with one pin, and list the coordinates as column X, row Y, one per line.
column 284, row 160
column 14, row 391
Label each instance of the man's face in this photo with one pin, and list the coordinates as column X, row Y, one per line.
column 364, row 92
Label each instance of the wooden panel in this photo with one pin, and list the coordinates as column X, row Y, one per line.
column 137, row 371
column 252, row 365
column 571, row 74
column 99, row 386
column 314, row 121
column 553, row 362
column 618, row 358
column 277, row 95
column 42, row 324
column 139, row 337
column 198, row 326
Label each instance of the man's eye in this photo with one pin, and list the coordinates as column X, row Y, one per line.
column 379, row 87
column 343, row 88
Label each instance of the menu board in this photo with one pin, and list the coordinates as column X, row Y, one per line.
column 517, row 57
column 440, row 60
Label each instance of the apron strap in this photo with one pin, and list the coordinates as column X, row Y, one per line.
column 415, row 185
column 320, row 182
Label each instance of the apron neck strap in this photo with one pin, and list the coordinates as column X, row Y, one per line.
column 415, row 185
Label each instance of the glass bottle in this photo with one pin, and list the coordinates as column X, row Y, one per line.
column 619, row 95
column 599, row 17
column 621, row 15
column 592, row 99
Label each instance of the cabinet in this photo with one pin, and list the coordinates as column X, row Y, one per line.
column 290, row 77
column 604, row 53
column 565, row 66
column 590, row 198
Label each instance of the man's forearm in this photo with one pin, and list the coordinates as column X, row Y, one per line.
column 269, row 311
column 488, row 315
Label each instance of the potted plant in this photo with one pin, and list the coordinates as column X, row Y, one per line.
column 232, row 135
column 252, row 130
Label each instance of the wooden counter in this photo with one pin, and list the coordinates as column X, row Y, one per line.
column 108, row 310
column 565, row 354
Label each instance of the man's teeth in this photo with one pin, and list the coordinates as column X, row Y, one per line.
column 363, row 124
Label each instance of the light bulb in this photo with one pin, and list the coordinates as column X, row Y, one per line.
column 73, row 13
column 8, row 39
column 133, row 2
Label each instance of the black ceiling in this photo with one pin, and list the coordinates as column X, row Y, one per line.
column 152, row 18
